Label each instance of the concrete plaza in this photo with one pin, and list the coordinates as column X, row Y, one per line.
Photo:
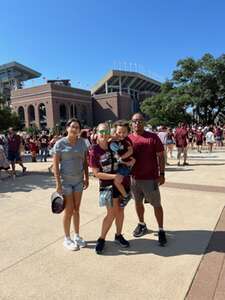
column 34, row 264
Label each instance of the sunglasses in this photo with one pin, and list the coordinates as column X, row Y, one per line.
column 104, row 131
column 138, row 121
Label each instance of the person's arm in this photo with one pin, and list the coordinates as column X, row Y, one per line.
column 56, row 161
column 128, row 153
column 161, row 163
column 86, row 174
column 106, row 176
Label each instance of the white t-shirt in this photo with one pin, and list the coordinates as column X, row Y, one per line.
column 209, row 137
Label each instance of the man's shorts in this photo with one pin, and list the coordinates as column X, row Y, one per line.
column 69, row 188
column 147, row 190
column 14, row 156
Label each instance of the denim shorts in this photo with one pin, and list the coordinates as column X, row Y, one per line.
column 69, row 188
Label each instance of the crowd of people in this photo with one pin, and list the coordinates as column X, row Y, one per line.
column 128, row 159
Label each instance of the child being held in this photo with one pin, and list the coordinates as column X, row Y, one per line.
column 121, row 145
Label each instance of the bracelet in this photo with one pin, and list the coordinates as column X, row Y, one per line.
column 162, row 173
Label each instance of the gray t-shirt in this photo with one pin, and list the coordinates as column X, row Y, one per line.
column 71, row 159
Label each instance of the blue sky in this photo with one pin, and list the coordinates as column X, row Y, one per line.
column 83, row 39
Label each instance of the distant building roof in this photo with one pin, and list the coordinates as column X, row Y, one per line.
column 16, row 70
column 132, row 80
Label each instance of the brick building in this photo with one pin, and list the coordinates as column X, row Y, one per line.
column 52, row 104
column 116, row 96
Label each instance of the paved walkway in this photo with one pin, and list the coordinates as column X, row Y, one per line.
column 34, row 264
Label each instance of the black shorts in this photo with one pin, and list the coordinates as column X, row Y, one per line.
column 116, row 192
column 14, row 156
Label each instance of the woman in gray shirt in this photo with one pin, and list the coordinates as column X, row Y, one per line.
column 71, row 174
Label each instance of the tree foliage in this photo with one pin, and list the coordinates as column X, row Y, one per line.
column 7, row 118
column 196, row 93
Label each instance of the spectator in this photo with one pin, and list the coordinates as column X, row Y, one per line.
column 147, row 174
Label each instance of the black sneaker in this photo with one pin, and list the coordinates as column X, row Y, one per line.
column 99, row 246
column 125, row 200
column 140, row 230
column 162, row 238
column 120, row 240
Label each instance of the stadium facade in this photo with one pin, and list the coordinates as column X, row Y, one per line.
column 116, row 96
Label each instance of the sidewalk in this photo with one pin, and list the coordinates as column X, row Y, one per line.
column 34, row 265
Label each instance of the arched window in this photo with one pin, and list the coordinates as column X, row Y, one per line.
column 21, row 114
column 42, row 115
column 71, row 111
column 84, row 114
column 31, row 115
column 75, row 110
column 62, row 114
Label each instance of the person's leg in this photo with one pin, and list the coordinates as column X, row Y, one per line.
column 159, row 215
column 76, row 219
column 13, row 165
column 76, row 212
column 120, row 188
column 140, row 210
column 41, row 153
column 138, row 195
column 185, row 155
column 179, row 151
column 68, row 213
column 119, row 216
column 165, row 154
column 152, row 194
column 45, row 154
column 107, row 222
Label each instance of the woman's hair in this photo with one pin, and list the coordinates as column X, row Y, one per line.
column 70, row 121
column 84, row 134
column 100, row 124
column 123, row 123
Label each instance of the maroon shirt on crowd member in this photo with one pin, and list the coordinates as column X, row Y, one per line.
column 146, row 146
column 199, row 136
column 181, row 136
column 103, row 160
column 14, row 143
column 44, row 140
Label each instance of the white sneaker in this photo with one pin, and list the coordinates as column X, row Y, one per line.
column 80, row 241
column 70, row 245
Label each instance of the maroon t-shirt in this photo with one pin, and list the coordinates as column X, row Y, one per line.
column 105, row 162
column 199, row 136
column 146, row 147
column 181, row 136
column 14, row 143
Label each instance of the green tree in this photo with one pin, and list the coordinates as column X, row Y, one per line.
column 195, row 93
column 7, row 118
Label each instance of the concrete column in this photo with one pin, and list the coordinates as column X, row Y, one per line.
column 37, row 116
column 106, row 87
column 26, row 116
column 120, row 85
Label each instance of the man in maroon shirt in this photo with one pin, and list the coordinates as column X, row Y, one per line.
column 14, row 143
column 147, row 174
column 181, row 138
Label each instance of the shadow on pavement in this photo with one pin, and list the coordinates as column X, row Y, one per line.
column 33, row 180
column 206, row 164
column 186, row 242
column 181, row 169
